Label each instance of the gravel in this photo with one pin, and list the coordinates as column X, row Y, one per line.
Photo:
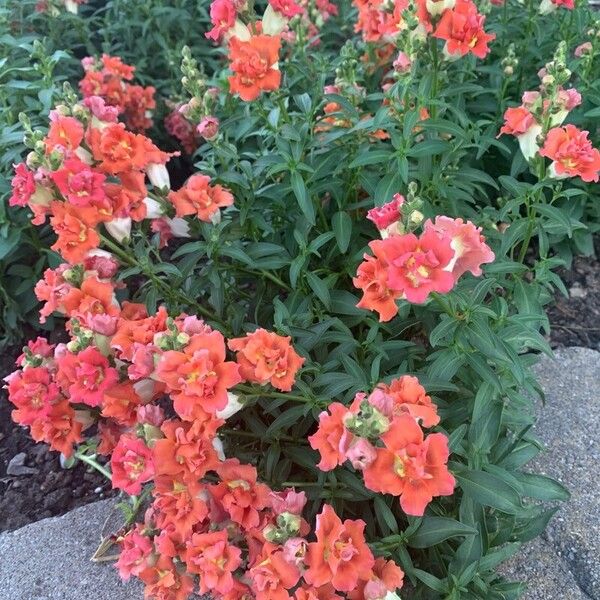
column 565, row 563
column 50, row 560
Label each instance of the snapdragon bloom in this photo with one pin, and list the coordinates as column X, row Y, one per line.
column 572, row 153
column 271, row 575
column 222, row 16
column 198, row 376
column 80, row 185
column 470, row 249
column 132, row 464
column 411, row 466
column 387, row 215
column 254, row 66
column 214, row 559
column 86, row 376
column 198, row 197
column 340, row 555
column 265, row 357
column 462, row 28
column 136, row 551
column 23, row 186
column 328, row 438
column 288, row 8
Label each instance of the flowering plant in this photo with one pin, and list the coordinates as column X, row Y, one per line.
column 305, row 359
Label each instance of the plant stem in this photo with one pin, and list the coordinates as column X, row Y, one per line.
column 90, row 460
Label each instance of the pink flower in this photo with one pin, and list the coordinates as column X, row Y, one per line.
column 208, row 128
column 402, row 64
column 80, row 185
column 86, row 376
column 132, row 464
column 222, row 16
column 386, row 215
column 101, row 110
column 470, row 249
column 136, row 549
column 517, row 120
column 104, row 264
column 418, row 265
column 23, row 186
column 583, row 49
column 288, row 8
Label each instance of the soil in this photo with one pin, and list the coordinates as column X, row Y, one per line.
column 49, row 489
column 575, row 321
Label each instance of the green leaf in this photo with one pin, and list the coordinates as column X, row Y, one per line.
column 384, row 515
column 434, row 530
column 302, row 197
column 429, row 148
column 286, row 419
column 489, row 490
column 371, row 158
column 319, row 287
column 342, row 227
column 542, row 487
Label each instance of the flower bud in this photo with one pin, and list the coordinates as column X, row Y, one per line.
column 208, row 128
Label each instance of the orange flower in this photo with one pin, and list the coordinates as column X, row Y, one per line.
column 60, row 428
column 199, row 376
column 410, row 466
column 387, row 577
column 572, row 153
column 186, row 452
column 94, row 296
column 64, row 132
column 266, row 357
column 211, row 556
column 75, row 237
column 200, row 198
column 340, row 555
column 328, row 438
column 239, row 493
column 254, row 64
column 120, row 403
column 178, row 508
column 117, row 149
column 409, row 396
column 271, row 575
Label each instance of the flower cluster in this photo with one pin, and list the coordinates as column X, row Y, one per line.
column 457, row 22
column 209, row 515
column 253, row 47
column 90, row 172
column 536, row 124
column 380, row 435
column 108, row 78
column 408, row 267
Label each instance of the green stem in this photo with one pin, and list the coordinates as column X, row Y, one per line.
column 90, row 460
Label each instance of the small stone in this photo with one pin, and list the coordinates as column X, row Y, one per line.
column 16, row 466
column 577, row 292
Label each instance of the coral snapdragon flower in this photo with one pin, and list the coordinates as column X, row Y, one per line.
column 65, row 133
column 23, row 186
column 517, row 121
column 271, row 575
column 462, row 28
column 470, row 249
column 254, row 66
column 198, row 197
column 117, row 149
column 409, row 396
column 572, row 153
column 239, row 493
column 265, row 357
column 340, row 555
column 132, row 464
column 372, row 279
column 186, row 452
column 80, row 185
column 136, row 550
column 32, row 391
column 86, row 376
column 328, row 438
column 417, row 265
column 199, row 376
column 411, row 466
column 214, row 559
column 75, row 235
